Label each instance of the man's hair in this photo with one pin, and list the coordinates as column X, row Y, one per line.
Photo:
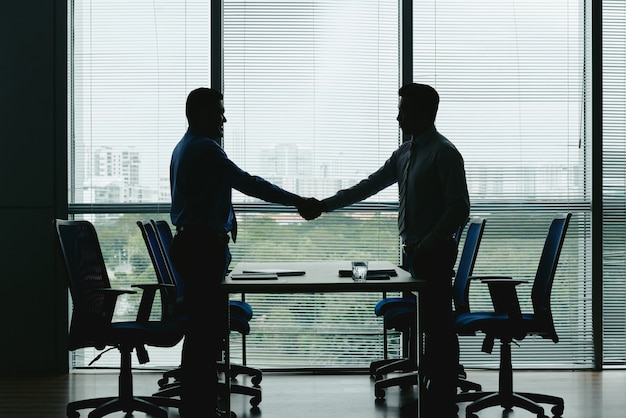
column 200, row 100
column 421, row 96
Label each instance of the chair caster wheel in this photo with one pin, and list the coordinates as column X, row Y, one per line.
column 256, row 380
column 557, row 410
column 223, row 414
column 162, row 382
column 73, row 414
column 255, row 401
column 379, row 393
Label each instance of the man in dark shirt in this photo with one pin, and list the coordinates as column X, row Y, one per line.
column 434, row 204
column 202, row 178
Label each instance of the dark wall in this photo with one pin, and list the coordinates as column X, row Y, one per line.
column 33, row 185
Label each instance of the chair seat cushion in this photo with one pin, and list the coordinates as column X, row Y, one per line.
column 153, row 333
column 239, row 324
column 470, row 322
column 241, row 308
column 391, row 303
column 501, row 326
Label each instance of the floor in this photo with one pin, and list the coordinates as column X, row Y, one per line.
column 587, row 394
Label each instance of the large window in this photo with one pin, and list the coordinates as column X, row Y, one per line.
column 514, row 99
column 311, row 99
column 614, row 181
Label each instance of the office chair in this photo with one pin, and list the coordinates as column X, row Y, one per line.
column 93, row 305
column 241, row 312
column 508, row 324
column 397, row 317
column 157, row 235
column 407, row 363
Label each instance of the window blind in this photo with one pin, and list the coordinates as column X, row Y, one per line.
column 133, row 64
column 513, row 87
column 311, row 99
column 614, row 181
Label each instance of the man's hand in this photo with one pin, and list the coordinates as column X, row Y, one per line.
column 310, row 208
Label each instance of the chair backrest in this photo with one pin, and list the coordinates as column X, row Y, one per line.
column 459, row 232
column 546, row 270
column 159, row 262
column 241, row 312
column 87, row 276
column 165, row 236
column 466, row 264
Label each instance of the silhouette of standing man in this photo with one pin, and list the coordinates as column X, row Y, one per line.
column 201, row 179
column 434, row 204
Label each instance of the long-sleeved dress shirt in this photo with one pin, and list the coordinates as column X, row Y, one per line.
column 437, row 200
column 202, row 178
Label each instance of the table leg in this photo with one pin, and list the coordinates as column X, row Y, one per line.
column 227, row 402
column 420, row 354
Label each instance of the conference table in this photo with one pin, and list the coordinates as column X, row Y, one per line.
column 312, row 277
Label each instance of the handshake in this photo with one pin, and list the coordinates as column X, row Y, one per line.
column 310, row 208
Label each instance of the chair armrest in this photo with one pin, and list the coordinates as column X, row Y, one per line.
column 147, row 298
column 504, row 294
column 110, row 299
column 483, row 278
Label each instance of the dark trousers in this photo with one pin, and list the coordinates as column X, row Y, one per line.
column 201, row 260
column 441, row 353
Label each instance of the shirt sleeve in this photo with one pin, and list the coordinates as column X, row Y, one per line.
column 382, row 178
column 451, row 172
column 255, row 186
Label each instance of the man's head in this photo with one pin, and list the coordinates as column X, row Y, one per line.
column 205, row 111
column 418, row 107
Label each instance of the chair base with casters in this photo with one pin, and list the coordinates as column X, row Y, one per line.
column 465, row 385
column 402, row 319
column 254, row 392
column 408, row 364
column 240, row 315
column 378, row 368
column 405, row 317
column 506, row 397
column 172, row 389
column 239, row 322
column 125, row 401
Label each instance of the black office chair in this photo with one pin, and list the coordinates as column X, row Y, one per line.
column 93, row 305
column 240, row 312
column 158, row 236
column 404, row 313
column 407, row 363
column 508, row 324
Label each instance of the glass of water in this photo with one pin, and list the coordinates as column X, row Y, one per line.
column 359, row 271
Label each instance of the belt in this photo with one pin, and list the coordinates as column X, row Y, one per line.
column 410, row 249
column 205, row 230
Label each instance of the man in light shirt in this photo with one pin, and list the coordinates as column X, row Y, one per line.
column 434, row 204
